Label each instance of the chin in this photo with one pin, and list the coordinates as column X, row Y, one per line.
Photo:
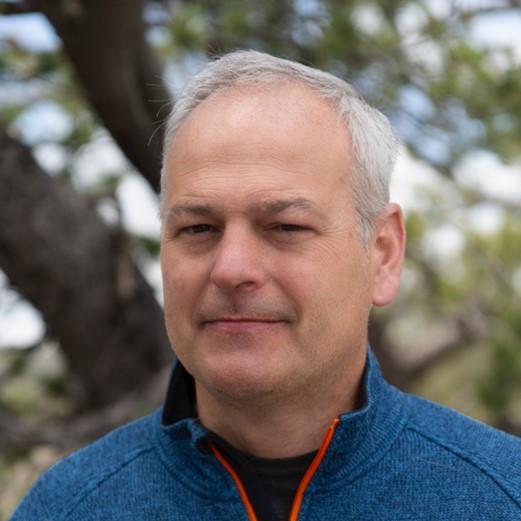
column 242, row 383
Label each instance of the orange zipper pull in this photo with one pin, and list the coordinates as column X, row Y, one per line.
column 299, row 496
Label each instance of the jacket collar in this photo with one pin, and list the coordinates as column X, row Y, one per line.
column 360, row 439
column 180, row 396
column 363, row 436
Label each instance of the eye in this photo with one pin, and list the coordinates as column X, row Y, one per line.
column 290, row 228
column 197, row 229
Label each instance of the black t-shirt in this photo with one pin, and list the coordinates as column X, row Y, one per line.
column 271, row 484
column 280, row 479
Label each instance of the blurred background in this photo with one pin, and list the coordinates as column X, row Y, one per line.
column 84, row 88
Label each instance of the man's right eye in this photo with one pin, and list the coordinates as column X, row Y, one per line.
column 198, row 229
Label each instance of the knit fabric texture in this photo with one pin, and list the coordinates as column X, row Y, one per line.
column 399, row 458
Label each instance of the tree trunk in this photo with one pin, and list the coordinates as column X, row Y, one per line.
column 105, row 41
column 61, row 256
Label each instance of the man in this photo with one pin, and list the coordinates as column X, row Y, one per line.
column 277, row 240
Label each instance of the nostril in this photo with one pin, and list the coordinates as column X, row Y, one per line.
column 244, row 285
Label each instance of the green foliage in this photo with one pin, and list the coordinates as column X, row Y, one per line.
column 190, row 27
column 499, row 389
column 10, row 113
column 149, row 244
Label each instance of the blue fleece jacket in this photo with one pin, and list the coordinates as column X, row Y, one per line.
column 398, row 458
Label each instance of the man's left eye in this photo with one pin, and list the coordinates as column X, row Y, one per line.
column 290, row 228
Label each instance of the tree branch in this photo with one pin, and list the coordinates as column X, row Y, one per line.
column 19, row 7
column 72, row 432
column 61, row 256
column 460, row 331
column 119, row 72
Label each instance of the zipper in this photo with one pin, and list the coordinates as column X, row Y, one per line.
column 299, row 495
column 238, row 482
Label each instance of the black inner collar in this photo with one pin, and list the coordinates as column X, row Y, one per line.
column 271, row 484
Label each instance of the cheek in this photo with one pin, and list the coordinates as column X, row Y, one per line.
column 177, row 284
column 309, row 287
column 336, row 285
column 178, row 273
column 180, row 291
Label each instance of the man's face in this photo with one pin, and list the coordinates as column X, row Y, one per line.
column 267, row 287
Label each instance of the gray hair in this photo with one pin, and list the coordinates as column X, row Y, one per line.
column 373, row 142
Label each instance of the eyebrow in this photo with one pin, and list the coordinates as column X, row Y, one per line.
column 268, row 206
column 280, row 205
column 195, row 209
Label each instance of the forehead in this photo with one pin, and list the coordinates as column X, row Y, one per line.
column 287, row 113
column 264, row 136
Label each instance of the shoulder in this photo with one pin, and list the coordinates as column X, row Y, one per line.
column 106, row 455
column 74, row 477
column 489, row 452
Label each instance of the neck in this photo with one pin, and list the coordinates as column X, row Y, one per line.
column 277, row 428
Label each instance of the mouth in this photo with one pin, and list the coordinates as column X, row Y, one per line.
column 240, row 324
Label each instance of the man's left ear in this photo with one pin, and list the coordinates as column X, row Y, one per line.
column 387, row 253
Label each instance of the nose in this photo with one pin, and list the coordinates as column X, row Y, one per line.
column 239, row 261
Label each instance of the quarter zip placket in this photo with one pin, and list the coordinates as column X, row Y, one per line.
column 299, row 496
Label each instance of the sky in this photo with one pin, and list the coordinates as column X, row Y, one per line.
column 19, row 321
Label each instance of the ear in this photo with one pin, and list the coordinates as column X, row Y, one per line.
column 387, row 253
